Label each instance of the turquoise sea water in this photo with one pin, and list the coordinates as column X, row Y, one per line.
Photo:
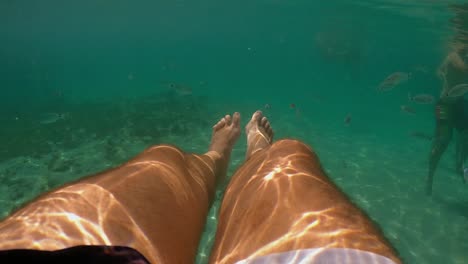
column 87, row 85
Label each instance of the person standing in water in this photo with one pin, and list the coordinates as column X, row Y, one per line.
column 279, row 207
column 451, row 113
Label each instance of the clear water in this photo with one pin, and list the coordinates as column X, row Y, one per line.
column 85, row 85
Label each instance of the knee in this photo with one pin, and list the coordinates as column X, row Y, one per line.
column 161, row 147
column 292, row 145
column 164, row 150
column 292, row 142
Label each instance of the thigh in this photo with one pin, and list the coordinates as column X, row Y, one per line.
column 281, row 201
column 156, row 203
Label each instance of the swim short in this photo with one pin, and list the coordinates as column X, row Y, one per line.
column 75, row 255
column 320, row 256
column 461, row 114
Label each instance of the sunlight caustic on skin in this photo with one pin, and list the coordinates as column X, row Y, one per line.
column 82, row 224
column 310, row 218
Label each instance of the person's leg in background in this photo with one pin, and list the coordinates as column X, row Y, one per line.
column 442, row 136
column 281, row 201
column 156, row 203
column 462, row 153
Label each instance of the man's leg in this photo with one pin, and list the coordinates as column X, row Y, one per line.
column 462, row 152
column 156, row 203
column 442, row 137
column 281, row 201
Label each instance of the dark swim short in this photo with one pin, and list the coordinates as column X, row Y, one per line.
column 461, row 116
column 75, row 255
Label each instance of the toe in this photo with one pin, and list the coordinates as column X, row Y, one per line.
column 236, row 119
column 264, row 121
column 270, row 132
column 228, row 119
column 256, row 116
column 220, row 124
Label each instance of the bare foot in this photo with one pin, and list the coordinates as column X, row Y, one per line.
column 259, row 133
column 225, row 134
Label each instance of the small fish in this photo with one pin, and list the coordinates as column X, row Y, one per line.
column 421, row 98
column 421, row 68
column 267, row 106
column 179, row 89
column 456, row 91
column 183, row 90
column 347, row 119
column 393, row 80
column 292, row 106
column 407, row 109
column 417, row 134
column 49, row 118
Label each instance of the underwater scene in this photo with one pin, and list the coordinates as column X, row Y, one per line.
column 87, row 85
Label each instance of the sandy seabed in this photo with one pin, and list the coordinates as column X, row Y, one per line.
column 384, row 177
